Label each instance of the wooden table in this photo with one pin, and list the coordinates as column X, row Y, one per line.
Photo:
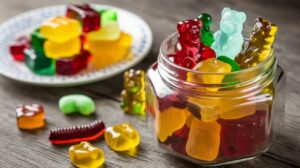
column 23, row 149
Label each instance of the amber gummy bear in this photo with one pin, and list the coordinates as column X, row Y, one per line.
column 30, row 117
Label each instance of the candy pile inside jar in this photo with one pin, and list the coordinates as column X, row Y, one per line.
column 65, row 45
column 211, row 129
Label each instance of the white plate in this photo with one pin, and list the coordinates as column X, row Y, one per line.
column 26, row 22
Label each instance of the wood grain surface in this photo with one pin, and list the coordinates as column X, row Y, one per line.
column 25, row 149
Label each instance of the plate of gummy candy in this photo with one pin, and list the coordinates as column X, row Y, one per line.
column 72, row 44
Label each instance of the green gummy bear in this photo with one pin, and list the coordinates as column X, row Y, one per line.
column 107, row 16
column 38, row 63
column 207, row 37
column 37, row 41
column 77, row 103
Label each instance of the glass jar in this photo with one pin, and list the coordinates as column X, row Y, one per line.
column 214, row 124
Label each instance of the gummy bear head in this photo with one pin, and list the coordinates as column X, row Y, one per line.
column 206, row 19
column 232, row 21
column 189, row 32
column 134, row 80
column 263, row 30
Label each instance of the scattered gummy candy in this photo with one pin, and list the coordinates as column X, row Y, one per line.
column 85, row 155
column 77, row 103
column 30, row 117
column 134, row 96
column 121, row 137
column 17, row 48
column 69, row 135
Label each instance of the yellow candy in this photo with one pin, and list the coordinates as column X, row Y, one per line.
column 121, row 137
column 108, row 32
column 62, row 50
column 168, row 121
column 85, row 155
column 60, row 29
column 204, row 140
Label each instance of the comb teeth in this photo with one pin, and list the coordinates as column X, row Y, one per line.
column 78, row 133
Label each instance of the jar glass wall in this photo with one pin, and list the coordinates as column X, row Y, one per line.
column 217, row 123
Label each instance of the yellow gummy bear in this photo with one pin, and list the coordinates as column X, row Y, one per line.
column 168, row 121
column 121, row 137
column 62, row 50
column 85, row 155
column 204, row 140
column 60, row 29
column 109, row 48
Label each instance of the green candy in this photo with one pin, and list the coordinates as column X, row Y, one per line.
column 77, row 103
column 37, row 41
column 38, row 63
column 207, row 37
column 108, row 16
column 234, row 66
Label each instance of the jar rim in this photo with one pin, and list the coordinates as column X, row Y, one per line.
column 163, row 55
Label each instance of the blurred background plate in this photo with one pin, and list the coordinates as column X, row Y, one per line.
column 26, row 22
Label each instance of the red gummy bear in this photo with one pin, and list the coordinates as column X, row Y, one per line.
column 17, row 48
column 189, row 49
column 71, row 66
column 245, row 135
column 89, row 18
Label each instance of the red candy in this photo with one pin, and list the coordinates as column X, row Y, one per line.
column 242, row 136
column 76, row 134
column 175, row 100
column 71, row 66
column 89, row 18
column 189, row 49
column 178, row 139
column 17, row 48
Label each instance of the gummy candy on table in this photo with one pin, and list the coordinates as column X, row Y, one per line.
column 64, row 49
column 60, row 29
column 133, row 96
column 17, row 48
column 229, row 39
column 38, row 63
column 107, row 16
column 77, row 103
column 108, row 46
column 37, row 41
column 168, row 121
column 187, row 48
column 85, row 155
column 71, row 66
column 87, row 16
column 74, row 134
column 204, row 140
column 259, row 45
column 30, row 117
column 121, row 137
column 242, row 136
column 207, row 37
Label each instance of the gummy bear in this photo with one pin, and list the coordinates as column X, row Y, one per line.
column 241, row 136
column 30, row 117
column 234, row 66
column 229, row 39
column 17, row 48
column 178, row 140
column 108, row 16
column 74, row 134
column 258, row 48
column 121, row 137
column 38, row 63
column 76, row 103
column 87, row 16
column 204, row 140
column 187, row 48
column 85, row 155
column 60, row 29
column 37, row 41
column 64, row 49
column 207, row 37
column 108, row 45
column 71, row 66
column 133, row 96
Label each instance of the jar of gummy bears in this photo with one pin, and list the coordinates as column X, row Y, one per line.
column 223, row 122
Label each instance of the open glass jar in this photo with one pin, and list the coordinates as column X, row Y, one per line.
column 213, row 124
